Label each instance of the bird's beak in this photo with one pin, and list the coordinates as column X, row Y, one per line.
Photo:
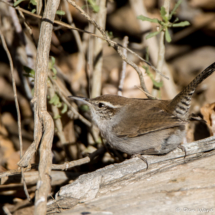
column 82, row 99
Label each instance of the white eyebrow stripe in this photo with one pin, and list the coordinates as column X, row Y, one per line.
column 111, row 105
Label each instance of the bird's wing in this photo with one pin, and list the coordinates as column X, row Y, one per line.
column 141, row 120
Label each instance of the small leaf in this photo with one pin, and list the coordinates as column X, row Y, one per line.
column 152, row 34
column 64, row 109
column 33, row 2
column 33, row 11
column 55, row 100
column 95, row 9
column 157, row 84
column 181, row 24
column 54, row 71
column 176, row 20
column 144, row 18
column 28, row 72
column 167, row 36
column 94, row 6
column 59, row 104
column 53, row 60
column 17, row 2
column 32, row 92
column 60, row 12
column 174, row 9
column 163, row 14
column 57, row 117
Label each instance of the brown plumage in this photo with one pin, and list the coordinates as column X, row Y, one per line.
column 144, row 126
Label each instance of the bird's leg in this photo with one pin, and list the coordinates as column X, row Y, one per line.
column 183, row 149
column 142, row 158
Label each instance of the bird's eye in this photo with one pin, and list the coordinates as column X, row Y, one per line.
column 101, row 105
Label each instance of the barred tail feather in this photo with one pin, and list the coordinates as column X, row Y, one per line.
column 180, row 105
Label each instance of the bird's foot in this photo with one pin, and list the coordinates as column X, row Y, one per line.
column 142, row 158
column 183, row 149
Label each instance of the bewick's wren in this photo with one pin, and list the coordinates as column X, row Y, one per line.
column 144, row 126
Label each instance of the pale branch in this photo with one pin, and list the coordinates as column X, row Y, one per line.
column 161, row 50
column 100, row 18
column 43, row 120
column 124, row 64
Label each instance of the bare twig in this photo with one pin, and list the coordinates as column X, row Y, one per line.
column 71, row 164
column 24, row 161
column 17, row 171
column 161, row 50
column 124, row 64
column 6, row 210
column 64, row 97
column 81, row 60
column 16, row 103
column 42, row 117
column 100, row 18
column 29, row 54
column 57, row 120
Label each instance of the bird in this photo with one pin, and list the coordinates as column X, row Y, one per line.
column 144, row 126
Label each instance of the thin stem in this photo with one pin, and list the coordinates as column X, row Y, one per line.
column 124, row 64
column 17, row 105
column 161, row 51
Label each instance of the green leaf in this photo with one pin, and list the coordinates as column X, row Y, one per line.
column 181, row 24
column 32, row 92
column 94, row 6
column 33, row 11
column 152, row 34
column 144, row 18
column 95, row 9
column 174, row 9
column 53, row 60
column 33, row 2
column 55, row 100
column 60, row 12
column 163, row 14
column 54, row 71
column 176, row 20
column 167, row 36
column 157, row 84
column 17, row 2
column 28, row 72
column 64, row 109
column 59, row 104
column 57, row 117
column 52, row 63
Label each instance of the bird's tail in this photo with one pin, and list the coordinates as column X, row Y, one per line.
column 180, row 105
